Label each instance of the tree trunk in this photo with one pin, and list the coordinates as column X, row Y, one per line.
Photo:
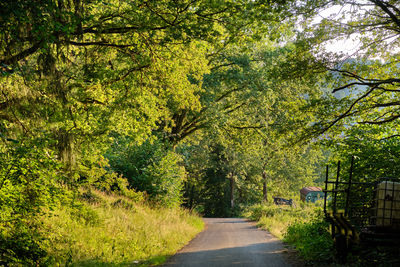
column 232, row 184
column 264, row 176
column 191, row 198
column 66, row 149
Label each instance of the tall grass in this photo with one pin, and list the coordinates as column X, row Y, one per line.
column 110, row 230
column 276, row 219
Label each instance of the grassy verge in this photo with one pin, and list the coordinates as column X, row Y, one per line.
column 302, row 227
column 110, row 230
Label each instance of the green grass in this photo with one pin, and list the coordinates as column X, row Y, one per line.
column 311, row 240
column 112, row 230
column 276, row 219
column 301, row 226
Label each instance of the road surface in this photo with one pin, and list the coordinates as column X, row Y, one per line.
column 231, row 242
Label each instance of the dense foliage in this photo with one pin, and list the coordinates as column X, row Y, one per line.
column 150, row 168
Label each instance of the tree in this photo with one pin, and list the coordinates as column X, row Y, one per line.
column 368, row 77
column 375, row 156
column 84, row 68
column 252, row 115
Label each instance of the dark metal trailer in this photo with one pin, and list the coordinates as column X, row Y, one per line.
column 362, row 212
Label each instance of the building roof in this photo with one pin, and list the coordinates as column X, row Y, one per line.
column 306, row 190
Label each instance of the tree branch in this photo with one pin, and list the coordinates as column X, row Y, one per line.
column 23, row 54
column 347, row 112
column 384, row 7
column 98, row 44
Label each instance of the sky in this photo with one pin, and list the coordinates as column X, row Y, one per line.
column 348, row 46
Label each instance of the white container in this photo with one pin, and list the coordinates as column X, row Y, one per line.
column 388, row 204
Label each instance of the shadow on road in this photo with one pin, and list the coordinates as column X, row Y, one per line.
column 262, row 254
column 235, row 221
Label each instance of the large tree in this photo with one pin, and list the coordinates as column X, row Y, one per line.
column 253, row 114
column 80, row 69
column 366, row 77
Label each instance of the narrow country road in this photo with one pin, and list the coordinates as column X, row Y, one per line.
column 231, row 242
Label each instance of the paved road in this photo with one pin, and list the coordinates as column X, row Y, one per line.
column 231, row 242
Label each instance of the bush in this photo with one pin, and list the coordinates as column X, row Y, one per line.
column 89, row 197
column 28, row 186
column 167, row 179
column 302, row 227
column 311, row 239
column 84, row 214
column 122, row 203
column 151, row 167
column 121, row 186
column 22, row 245
column 305, row 212
column 258, row 211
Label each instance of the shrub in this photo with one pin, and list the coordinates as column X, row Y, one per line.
column 260, row 210
column 21, row 245
column 89, row 197
column 311, row 239
column 167, row 179
column 121, row 186
column 152, row 168
column 84, row 214
column 122, row 203
column 28, row 186
column 303, row 213
column 300, row 226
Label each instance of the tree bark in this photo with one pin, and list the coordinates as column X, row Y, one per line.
column 191, row 198
column 232, row 185
column 66, row 149
column 264, row 176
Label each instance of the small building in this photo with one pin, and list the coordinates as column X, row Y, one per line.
column 311, row 194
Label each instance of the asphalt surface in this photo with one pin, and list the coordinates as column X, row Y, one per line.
column 231, row 242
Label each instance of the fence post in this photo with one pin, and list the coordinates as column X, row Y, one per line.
column 336, row 188
column 346, row 210
column 326, row 188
